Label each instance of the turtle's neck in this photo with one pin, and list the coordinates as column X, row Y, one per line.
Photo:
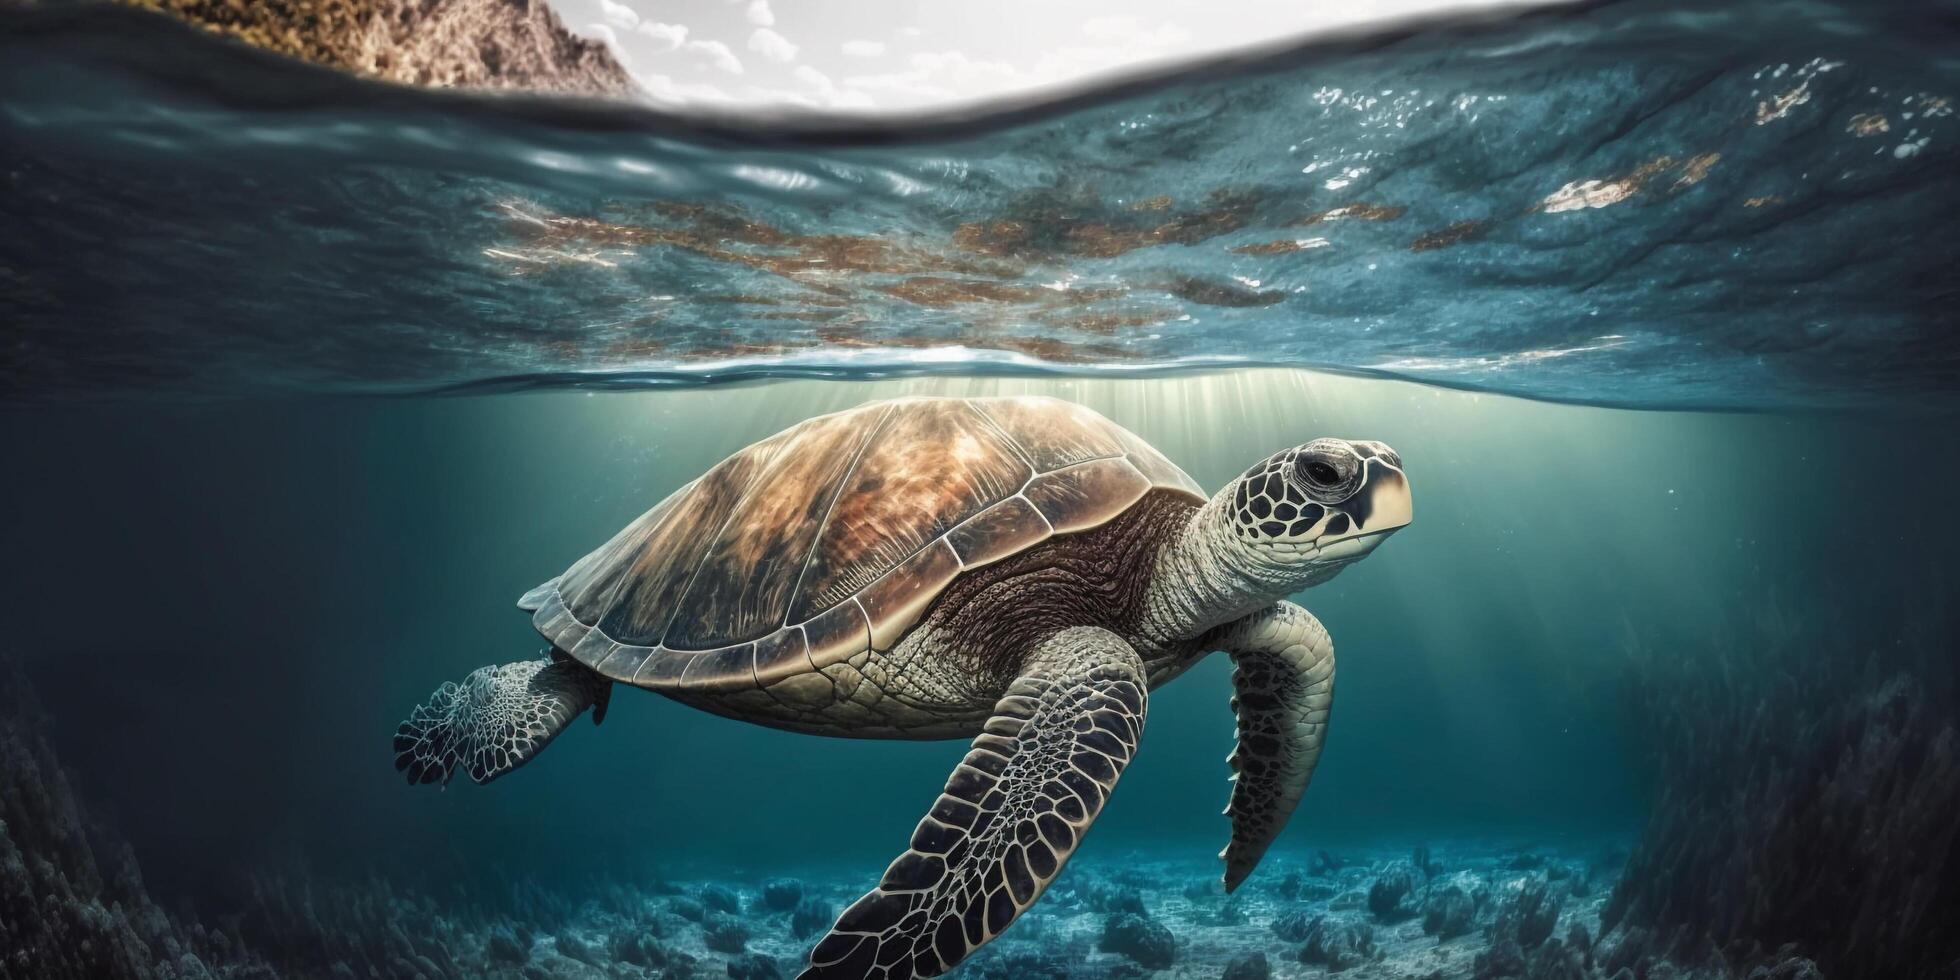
column 1206, row 577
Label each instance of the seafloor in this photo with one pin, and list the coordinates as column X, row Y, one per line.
column 1469, row 909
column 73, row 903
column 1472, row 908
column 1800, row 831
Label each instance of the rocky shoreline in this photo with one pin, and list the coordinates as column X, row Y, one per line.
column 474, row 44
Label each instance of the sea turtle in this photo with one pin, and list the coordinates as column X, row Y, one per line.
column 1018, row 571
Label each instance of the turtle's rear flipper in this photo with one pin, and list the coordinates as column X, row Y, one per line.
column 495, row 720
column 1011, row 814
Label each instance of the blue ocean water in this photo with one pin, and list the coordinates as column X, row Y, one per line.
column 307, row 379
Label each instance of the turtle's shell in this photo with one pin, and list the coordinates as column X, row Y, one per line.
column 833, row 536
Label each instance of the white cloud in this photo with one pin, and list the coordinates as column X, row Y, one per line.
column 670, row 35
column 1129, row 34
column 718, row 53
column 903, row 61
column 618, row 14
column 942, row 74
column 772, row 45
column 663, row 88
column 1115, row 42
column 814, row 90
column 905, row 84
column 820, row 86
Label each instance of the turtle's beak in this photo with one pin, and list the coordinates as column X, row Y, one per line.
column 1383, row 502
column 1381, row 506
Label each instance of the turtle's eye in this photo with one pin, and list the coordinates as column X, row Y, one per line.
column 1327, row 470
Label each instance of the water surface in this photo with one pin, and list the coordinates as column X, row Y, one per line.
column 1640, row 203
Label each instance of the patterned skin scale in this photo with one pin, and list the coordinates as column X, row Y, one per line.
column 1010, row 816
column 1283, row 687
column 514, row 710
column 1021, row 572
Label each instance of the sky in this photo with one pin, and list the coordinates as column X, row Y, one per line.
column 869, row 56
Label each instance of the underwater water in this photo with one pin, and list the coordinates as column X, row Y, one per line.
column 307, row 380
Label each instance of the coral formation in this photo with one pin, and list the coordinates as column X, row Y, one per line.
column 72, row 899
column 1808, row 777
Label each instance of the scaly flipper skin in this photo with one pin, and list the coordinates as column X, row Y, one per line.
column 1012, row 813
column 1284, row 686
column 496, row 719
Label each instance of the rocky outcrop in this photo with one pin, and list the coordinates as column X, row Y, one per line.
column 1393, row 891
column 1326, row 864
column 1114, row 899
column 481, row 44
column 73, row 903
column 1521, row 944
column 720, row 898
column 810, row 918
column 1144, row 940
column 1448, row 911
column 72, row 899
column 1531, row 914
column 1808, row 778
column 781, row 894
column 1248, row 966
column 1020, row 965
column 754, row 966
column 1337, row 942
column 726, row 934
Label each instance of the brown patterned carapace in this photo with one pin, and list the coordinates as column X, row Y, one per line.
column 833, row 536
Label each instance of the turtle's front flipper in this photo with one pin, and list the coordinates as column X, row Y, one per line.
column 1012, row 813
column 1283, row 687
column 496, row 719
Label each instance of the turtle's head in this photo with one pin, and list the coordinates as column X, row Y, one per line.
column 1293, row 520
column 1301, row 515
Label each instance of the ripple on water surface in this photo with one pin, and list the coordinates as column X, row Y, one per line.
column 1633, row 203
